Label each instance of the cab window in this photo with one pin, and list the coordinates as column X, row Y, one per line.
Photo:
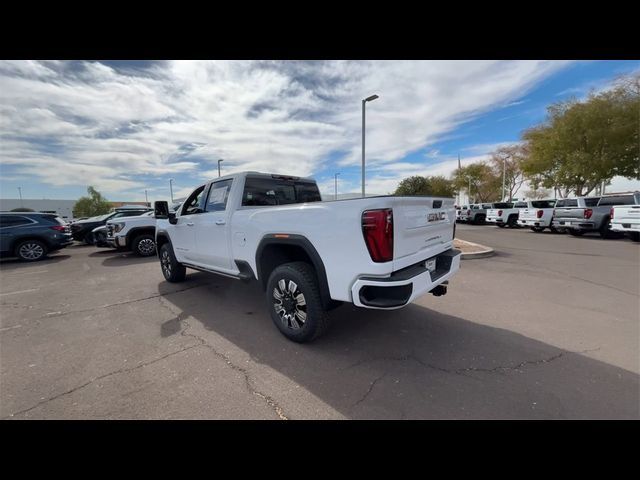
column 192, row 204
column 218, row 196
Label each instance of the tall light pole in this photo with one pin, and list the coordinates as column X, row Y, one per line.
column 20, row 193
column 469, row 191
column 504, row 170
column 171, row 188
column 335, row 177
column 368, row 99
column 146, row 198
column 221, row 160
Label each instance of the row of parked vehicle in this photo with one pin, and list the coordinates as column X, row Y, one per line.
column 30, row 236
column 619, row 213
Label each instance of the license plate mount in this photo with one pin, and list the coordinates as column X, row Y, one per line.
column 430, row 265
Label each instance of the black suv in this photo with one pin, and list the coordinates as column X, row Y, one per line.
column 30, row 236
column 81, row 230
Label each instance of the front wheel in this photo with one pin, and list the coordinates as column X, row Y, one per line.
column 89, row 238
column 294, row 301
column 172, row 270
column 144, row 245
column 31, row 250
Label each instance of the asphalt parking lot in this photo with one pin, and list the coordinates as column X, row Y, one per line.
column 547, row 328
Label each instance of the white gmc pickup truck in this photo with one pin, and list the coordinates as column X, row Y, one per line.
column 309, row 255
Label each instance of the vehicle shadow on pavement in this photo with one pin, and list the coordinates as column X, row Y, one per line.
column 117, row 259
column 9, row 263
column 410, row 363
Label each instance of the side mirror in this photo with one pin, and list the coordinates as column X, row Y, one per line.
column 161, row 211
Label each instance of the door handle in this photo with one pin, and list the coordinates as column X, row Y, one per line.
column 220, row 222
column 189, row 224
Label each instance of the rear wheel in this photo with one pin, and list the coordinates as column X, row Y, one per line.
column 635, row 236
column 31, row 250
column 172, row 270
column 537, row 229
column 575, row 233
column 553, row 229
column 294, row 302
column 513, row 221
column 501, row 225
column 604, row 229
column 144, row 245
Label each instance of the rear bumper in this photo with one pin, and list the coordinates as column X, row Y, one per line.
column 405, row 285
column 534, row 223
column 626, row 225
column 494, row 220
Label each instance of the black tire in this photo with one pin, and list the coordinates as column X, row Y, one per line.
column 89, row 238
column 512, row 221
column 501, row 225
column 635, row 236
column 604, row 229
column 100, row 240
column 481, row 220
column 299, row 322
column 537, row 229
column 144, row 245
column 172, row 270
column 575, row 233
column 31, row 250
column 554, row 230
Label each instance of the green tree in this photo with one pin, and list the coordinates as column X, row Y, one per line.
column 94, row 204
column 436, row 186
column 485, row 182
column 585, row 143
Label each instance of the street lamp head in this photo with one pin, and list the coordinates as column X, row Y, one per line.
column 371, row 98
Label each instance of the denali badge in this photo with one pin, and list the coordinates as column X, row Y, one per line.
column 434, row 217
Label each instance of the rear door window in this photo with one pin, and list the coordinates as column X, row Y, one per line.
column 265, row 191
column 13, row 221
column 520, row 205
column 543, row 203
column 617, row 200
column 591, row 201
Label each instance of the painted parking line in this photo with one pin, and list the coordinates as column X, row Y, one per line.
column 19, row 291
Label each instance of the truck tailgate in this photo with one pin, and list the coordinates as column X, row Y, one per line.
column 422, row 228
column 569, row 213
column 528, row 214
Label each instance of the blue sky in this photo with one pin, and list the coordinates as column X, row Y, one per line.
column 126, row 127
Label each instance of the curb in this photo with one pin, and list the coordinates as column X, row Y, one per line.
column 483, row 254
column 486, row 252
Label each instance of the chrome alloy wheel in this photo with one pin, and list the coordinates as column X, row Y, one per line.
column 290, row 304
column 165, row 261
column 146, row 246
column 31, row 251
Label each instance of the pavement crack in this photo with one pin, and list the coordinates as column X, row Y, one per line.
column 369, row 390
column 181, row 317
column 93, row 380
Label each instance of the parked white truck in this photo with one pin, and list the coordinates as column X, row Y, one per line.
column 537, row 215
column 308, row 255
column 626, row 218
column 505, row 214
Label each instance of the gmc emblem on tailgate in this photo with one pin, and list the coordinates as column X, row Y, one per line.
column 434, row 217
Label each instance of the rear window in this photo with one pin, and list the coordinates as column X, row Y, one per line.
column 262, row 191
column 567, row 202
column 617, row 200
column 543, row 203
column 520, row 205
column 503, row 205
column 591, row 201
column 486, row 205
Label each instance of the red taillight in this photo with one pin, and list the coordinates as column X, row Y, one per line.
column 468, row 212
column 611, row 212
column 59, row 228
column 539, row 213
column 499, row 213
column 377, row 228
column 587, row 213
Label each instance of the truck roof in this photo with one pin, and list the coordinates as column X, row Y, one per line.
column 266, row 175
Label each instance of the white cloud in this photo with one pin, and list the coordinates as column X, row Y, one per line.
column 79, row 123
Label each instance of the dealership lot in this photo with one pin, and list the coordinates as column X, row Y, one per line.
column 547, row 328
